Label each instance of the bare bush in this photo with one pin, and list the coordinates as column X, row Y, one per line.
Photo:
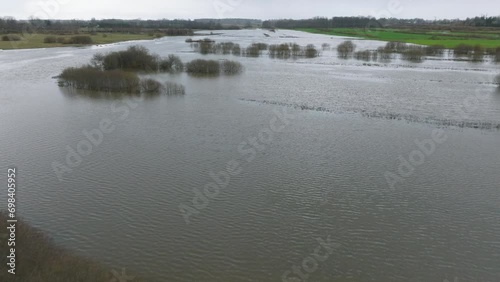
column 311, row 51
column 203, row 67
column 413, row 54
column 345, row 49
column 363, row 55
column 171, row 64
column 231, row 67
column 151, row 86
column 172, row 88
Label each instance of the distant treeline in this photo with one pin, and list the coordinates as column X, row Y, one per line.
column 180, row 27
column 171, row 27
column 362, row 22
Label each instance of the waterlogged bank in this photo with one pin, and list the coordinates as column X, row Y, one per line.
column 39, row 259
column 320, row 176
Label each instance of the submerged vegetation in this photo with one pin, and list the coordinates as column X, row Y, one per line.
column 345, row 49
column 171, row 64
column 413, row 53
column 207, row 67
column 116, row 72
column 449, row 36
column 416, row 53
column 283, row 51
column 363, row 55
column 95, row 79
column 172, row 89
column 212, row 67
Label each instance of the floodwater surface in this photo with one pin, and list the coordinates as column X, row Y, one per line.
column 391, row 169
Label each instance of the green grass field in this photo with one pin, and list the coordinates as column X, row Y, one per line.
column 450, row 39
column 36, row 40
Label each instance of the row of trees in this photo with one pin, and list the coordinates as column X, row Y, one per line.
column 175, row 27
column 362, row 22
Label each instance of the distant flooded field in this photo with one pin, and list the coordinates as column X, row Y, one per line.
column 309, row 167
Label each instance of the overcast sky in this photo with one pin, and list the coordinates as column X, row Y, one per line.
column 257, row 9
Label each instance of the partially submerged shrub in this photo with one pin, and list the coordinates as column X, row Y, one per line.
column 203, row 67
column 172, row 88
column 151, row 86
column 497, row 80
column 434, row 50
column 236, row 50
column 345, row 49
column 171, row 64
column 281, row 51
column 463, row 50
column 478, row 53
column 325, row 46
column 252, row 51
column 414, row 53
column 311, row 51
column 261, row 46
column 396, row 47
column 212, row 67
column 384, row 54
column 210, row 47
column 497, row 55
column 91, row 78
column 205, row 47
column 363, row 55
column 231, row 67
column 295, row 49
column 136, row 58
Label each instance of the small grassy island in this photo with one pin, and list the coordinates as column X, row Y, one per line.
column 118, row 72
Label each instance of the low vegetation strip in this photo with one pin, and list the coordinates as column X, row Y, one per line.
column 42, row 260
column 449, row 39
column 94, row 79
column 28, row 41
column 213, row 67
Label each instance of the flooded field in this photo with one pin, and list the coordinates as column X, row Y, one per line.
column 389, row 169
